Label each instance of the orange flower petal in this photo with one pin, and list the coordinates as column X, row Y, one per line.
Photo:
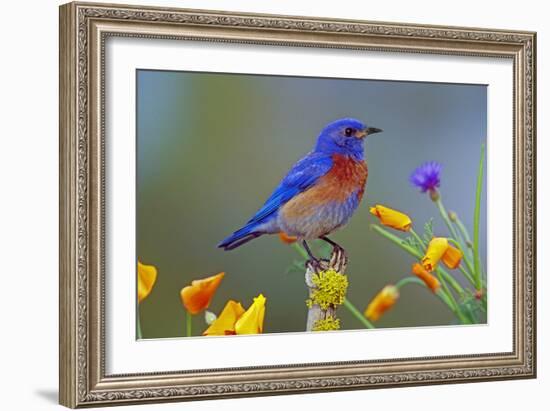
column 147, row 276
column 430, row 280
column 225, row 323
column 436, row 249
column 392, row 218
column 382, row 302
column 197, row 296
column 452, row 257
column 287, row 239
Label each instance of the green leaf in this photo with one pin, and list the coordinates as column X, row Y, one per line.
column 428, row 230
column 411, row 241
column 477, row 211
column 473, row 308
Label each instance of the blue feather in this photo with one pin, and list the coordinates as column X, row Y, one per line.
column 304, row 174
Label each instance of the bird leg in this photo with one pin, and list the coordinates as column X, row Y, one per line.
column 338, row 258
column 313, row 261
column 332, row 243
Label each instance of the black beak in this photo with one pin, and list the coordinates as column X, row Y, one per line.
column 373, row 130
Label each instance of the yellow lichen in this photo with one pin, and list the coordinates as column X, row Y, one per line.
column 330, row 289
column 328, row 324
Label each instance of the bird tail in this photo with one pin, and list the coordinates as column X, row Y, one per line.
column 240, row 237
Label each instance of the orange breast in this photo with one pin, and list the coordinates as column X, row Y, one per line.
column 347, row 175
column 344, row 178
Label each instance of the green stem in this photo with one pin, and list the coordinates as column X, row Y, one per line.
column 409, row 280
column 393, row 238
column 477, row 211
column 467, row 243
column 464, row 233
column 300, row 251
column 467, row 275
column 456, row 238
column 464, row 256
column 414, row 280
column 138, row 325
column 455, row 284
column 445, row 216
column 188, row 324
column 417, row 237
column 450, row 300
column 443, row 277
column 484, row 302
column 357, row 314
column 454, row 305
column 441, row 294
column 441, row 272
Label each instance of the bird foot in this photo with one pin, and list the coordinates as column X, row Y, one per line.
column 315, row 265
column 338, row 259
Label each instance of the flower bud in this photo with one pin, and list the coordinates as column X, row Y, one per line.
column 382, row 302
column 434, row 195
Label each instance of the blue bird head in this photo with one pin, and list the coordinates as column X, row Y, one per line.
column 344, row 136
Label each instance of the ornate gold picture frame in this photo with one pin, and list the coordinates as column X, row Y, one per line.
column 84, row 30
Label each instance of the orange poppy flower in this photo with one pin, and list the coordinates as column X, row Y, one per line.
column 392, row 218
column 147, row 276
column 235, row 320
column 430, row 280
column 452, row 257
column 197, row 296
column 382, row 302
column 434, row 253
column 225, row 323
column 252, row 321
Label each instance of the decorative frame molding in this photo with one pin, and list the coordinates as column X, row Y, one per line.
column 83, row 30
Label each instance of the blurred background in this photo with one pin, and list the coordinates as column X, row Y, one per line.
column 212, row 147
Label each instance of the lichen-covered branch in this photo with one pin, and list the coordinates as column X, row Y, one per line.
column 327, row 285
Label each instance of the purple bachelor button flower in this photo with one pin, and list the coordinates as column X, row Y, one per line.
column 426, row 177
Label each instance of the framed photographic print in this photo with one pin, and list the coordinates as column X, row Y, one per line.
column 259, row 204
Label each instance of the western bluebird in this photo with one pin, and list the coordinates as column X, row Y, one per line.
column 320, row 192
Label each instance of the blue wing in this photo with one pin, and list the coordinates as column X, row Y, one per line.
column 301, row 176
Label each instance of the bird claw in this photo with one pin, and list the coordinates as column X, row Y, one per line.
column 315, row 265
column 338, row 259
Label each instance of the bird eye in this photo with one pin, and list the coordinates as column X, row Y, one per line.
column 348, row 132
